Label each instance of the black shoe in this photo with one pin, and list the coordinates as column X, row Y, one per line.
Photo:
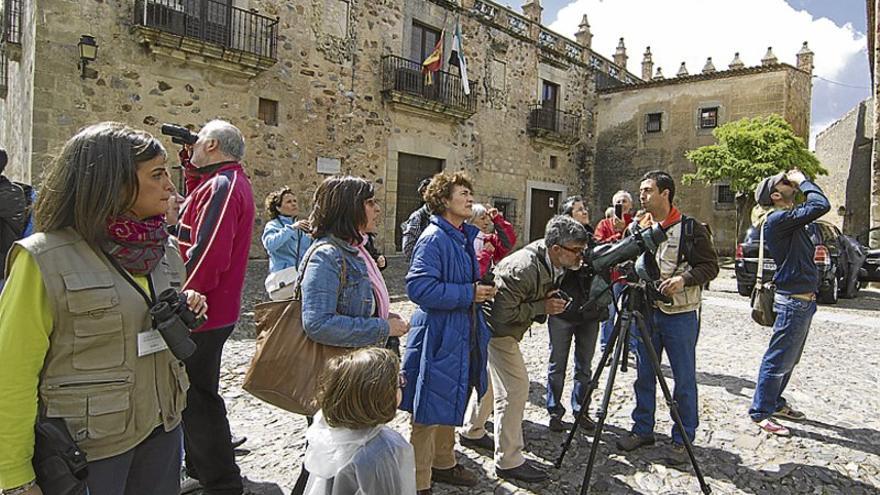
column 485, row 442
column 556, row 424
column 456, row 475
column 587, row 424
column 526, row 472
column 238, row 441
column 633, row 441
column 189, row 485
column 677, row 455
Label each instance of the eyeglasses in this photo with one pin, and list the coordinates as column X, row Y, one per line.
column 577, row 252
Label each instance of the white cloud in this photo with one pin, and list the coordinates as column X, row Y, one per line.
column 691, row 30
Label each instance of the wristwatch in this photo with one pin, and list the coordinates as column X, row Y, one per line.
column 18, row 490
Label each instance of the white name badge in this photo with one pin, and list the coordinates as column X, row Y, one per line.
column 150, row 342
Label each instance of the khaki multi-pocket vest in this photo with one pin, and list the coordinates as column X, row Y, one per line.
column 667, row 258
column 92, row 377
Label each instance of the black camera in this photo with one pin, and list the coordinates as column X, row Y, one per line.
column 175, row 322
column 488, row 278
column 179, row 134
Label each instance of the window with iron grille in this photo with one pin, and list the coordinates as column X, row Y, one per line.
column 506, row 206
column 654, row 122
column 268, row 111
column 12, row 21
column 708, row 118
column 4, row 62
column 724, row 195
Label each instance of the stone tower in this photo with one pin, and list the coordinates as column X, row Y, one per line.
column 620, row 57
column 805, row 59
column 647, row 64
column 584, row 36
column 532, row 9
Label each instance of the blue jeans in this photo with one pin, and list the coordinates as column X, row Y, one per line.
column 677, row 334
column 793, row 318
column 561, row 333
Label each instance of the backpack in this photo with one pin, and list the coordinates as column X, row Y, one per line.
column 14, row 226
column 688, row 239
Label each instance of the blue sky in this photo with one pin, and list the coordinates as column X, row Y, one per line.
column 835, row 30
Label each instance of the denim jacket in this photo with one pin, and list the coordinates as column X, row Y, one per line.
column 285, row 245
column 334, row 315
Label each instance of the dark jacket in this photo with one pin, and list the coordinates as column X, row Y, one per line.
column 15, row 201
column 789, row 243
column 446, row 351
column 412, row 228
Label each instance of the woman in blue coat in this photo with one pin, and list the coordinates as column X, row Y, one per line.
column 286, row 240
column 445, row 358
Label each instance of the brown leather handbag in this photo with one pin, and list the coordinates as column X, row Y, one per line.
column 286, row 369
column 763, row 292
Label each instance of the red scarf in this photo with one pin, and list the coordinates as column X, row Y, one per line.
column 137, row 245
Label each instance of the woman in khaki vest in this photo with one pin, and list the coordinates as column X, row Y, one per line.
column 77, row 343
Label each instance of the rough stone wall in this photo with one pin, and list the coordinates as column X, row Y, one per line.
column 844, row 149
column 798, row 102
column 328, row 86
column 16, row 110
column 625, row 151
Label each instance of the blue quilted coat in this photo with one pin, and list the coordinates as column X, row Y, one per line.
column 447, row 345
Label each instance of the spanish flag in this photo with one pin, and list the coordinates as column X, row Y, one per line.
column 434, row 61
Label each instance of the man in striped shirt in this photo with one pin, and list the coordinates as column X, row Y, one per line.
column 214, row 232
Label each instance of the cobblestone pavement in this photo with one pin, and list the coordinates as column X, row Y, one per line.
column 837, row 450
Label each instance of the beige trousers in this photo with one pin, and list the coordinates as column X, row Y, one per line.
column 510, row 384
column 434, row 447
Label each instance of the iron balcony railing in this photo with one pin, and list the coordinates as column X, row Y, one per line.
column 4, row 71
column 213, row 21
column 405, row 76
column 544, row 119
column 12, row 14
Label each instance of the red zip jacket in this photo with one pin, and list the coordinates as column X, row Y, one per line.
column 503, row 241
column 215, row 230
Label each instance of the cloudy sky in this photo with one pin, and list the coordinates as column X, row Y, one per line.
column 691, row 30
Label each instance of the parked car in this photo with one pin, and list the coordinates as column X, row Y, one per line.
column 870, row 271
column 837, row 257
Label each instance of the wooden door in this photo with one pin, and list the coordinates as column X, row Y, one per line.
column 544, row 205
column 411, row 170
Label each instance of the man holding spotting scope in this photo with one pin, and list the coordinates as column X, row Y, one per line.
column 687, row 261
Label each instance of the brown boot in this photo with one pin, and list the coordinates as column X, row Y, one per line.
column 456, row 475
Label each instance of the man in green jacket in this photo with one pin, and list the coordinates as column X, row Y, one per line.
column 528, row 290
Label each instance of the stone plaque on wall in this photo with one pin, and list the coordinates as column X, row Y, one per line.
column 329, row 166
column 335, row 18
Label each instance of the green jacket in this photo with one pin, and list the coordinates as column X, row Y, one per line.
column 523, row 279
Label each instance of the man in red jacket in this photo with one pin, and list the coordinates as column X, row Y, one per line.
column 215, row 236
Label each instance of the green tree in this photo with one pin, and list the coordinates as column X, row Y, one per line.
column 747, row 151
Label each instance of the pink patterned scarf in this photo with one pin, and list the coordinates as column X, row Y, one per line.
column 380, row 291
column 138, row 245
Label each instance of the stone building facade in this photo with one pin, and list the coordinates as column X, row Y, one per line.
column 321, row 87
column 872, row 7
column 844, row 149
column 651, row 124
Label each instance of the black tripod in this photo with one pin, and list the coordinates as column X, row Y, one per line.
column 635, row 302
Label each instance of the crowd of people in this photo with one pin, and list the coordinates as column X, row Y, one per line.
column 84, row 343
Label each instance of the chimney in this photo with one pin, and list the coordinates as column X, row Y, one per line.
column 620, row 57
column 736, row 63
column 584, row 36
column 647, row 64
column 532, row 9
column 805, row 59
column 769, row 57
column 682, row 71
column 659, row 75
column 709, row 67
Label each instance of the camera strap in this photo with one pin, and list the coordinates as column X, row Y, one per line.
column 150, row 298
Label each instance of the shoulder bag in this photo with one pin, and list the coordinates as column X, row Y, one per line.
column 763, row 292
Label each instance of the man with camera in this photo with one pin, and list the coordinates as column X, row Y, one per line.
column 527, row 282
column 687, row 261
column 796, row 280
column 214, row 232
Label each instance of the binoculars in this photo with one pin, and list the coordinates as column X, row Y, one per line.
column 179, row 134
column 175, row 322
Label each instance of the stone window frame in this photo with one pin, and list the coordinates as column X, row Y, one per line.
column 267, row 111
column 429, row 15
column 720, row 115
column 659, row 121
column 723, row 197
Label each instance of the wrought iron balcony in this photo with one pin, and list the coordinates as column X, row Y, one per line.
column 4, row 72
column 403, row 82
column 557, row 125
column 12, row 17
column 210, row 27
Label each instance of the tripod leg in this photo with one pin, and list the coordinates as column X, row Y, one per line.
column 646, row 335
column 622, row 331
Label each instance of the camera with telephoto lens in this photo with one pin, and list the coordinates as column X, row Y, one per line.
column 179, row 134
column 175, row 322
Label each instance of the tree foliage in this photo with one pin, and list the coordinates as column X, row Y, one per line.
column 749, row 150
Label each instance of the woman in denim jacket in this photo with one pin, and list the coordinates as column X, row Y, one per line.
column 354, row 311
column 285, row 239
